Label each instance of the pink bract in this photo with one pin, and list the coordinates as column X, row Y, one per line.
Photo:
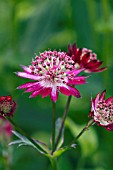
column 102, row 111
column 52, row 72
column 5, row 128
column 84, row 58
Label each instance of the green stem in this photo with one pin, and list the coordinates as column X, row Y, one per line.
column 53, row 163
column 90, row 122
column 63, row 120
column 18, row 129
column 53, row 125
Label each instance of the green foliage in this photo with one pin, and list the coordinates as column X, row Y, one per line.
column 28, row 27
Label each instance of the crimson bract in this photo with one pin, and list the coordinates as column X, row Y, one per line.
column 84, row 58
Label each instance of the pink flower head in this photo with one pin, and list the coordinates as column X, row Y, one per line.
column 84, row 58
column 102, row 111
column 5, row 128
column 52, row 71
column 7, row 106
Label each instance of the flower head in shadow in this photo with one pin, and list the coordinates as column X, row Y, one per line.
column 84, row 58
column 53, row 72
column 7, row 106
column 102, row 110
column 5, row 128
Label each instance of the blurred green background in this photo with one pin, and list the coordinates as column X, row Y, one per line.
column 28, row 27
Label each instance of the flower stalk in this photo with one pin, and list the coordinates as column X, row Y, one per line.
column 63, row 121
column 53, row 125
column 53, row 163
column 90, row 122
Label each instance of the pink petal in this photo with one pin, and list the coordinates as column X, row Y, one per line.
column 27, row 85
column 77, row 80
column 92, row 104
column 85, row 58
column 98, row 70
column 46, row 92
column 102, row 96
column 94, row 64
column 34, row 88
column 74, row 91
column 97, row 99
column 109, row 100
column 54, row 94
column 26, row 69
column 65, row 91
column 71, row 49
column 29, row 76
column 36, row 93
column 109, row 127
column 75, row 72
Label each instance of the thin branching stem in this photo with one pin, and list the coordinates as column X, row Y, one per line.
column 90, row 122
column 63, row 121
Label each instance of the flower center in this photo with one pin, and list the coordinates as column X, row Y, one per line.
column 5, row 107
column 52, row 66
column 105, row 112
column 77, row 65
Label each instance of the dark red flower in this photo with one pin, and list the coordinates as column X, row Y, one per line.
column 7, row 106
column 102, row 110
column 84, row 58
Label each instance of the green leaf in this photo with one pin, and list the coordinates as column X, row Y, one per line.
column 60, row 151
column 24, row 141
column 88, row 141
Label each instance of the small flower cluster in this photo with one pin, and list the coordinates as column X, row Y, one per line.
column 7, row 106
column 102, row 111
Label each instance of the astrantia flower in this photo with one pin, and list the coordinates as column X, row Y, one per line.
column 7, row 106
column 84, row 58
column 102, row 111
column 52, row 71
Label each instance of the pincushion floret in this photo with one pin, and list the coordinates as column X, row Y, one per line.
column 7, row 106
column 52, row 71
column 85, row 58
column 102, row 110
